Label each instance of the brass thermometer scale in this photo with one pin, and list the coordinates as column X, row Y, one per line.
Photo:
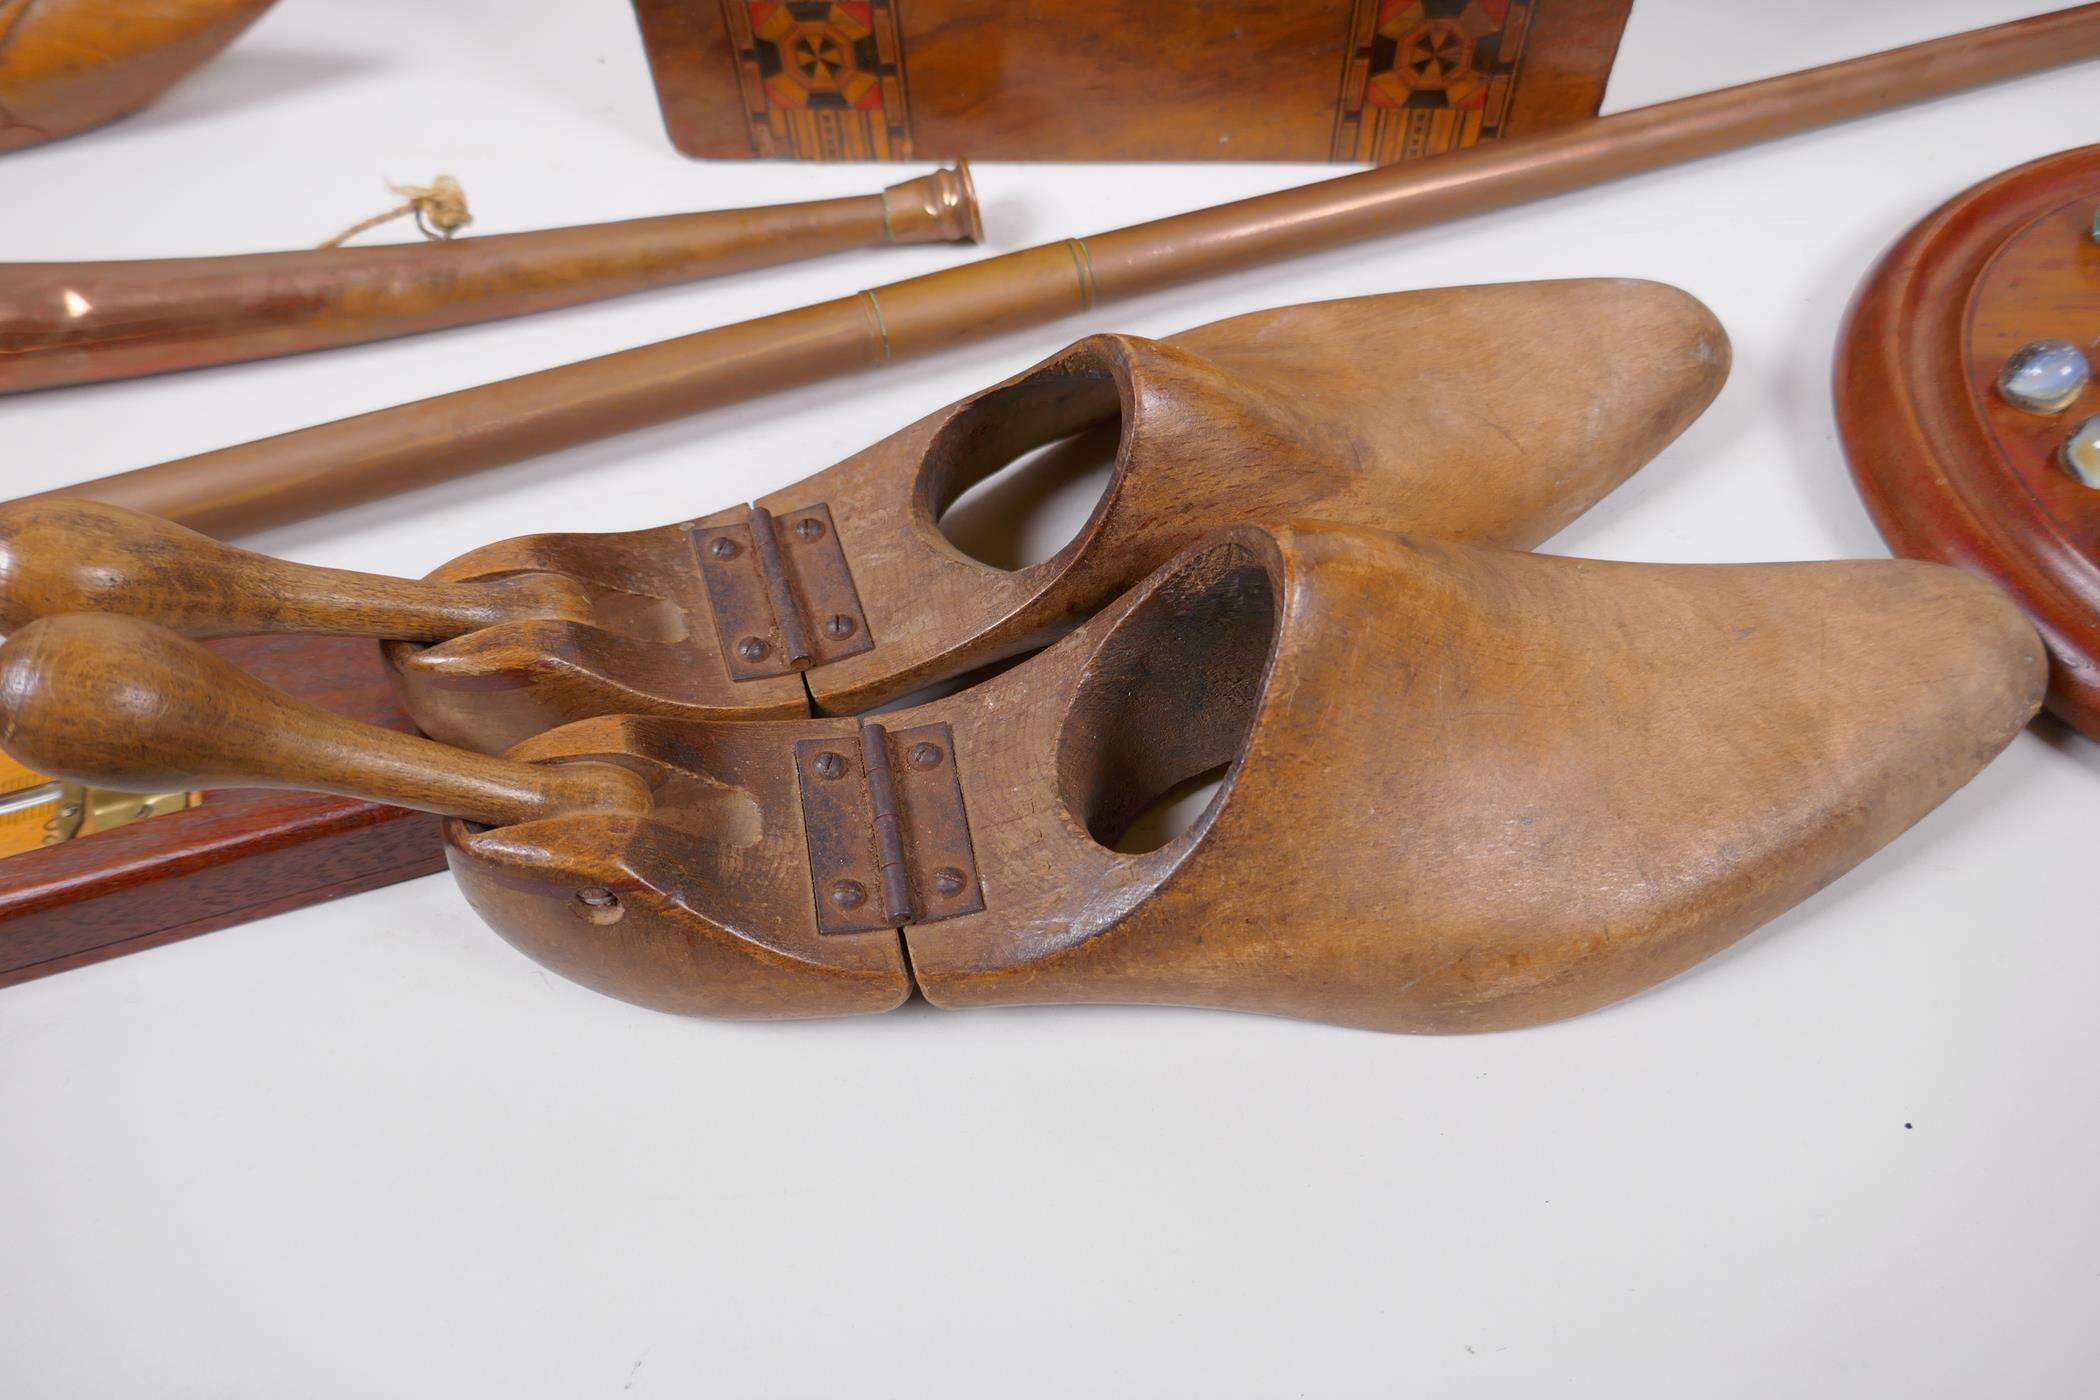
column 39, row 811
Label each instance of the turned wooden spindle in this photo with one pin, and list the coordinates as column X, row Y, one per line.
column 60, row 556
column 118, row 703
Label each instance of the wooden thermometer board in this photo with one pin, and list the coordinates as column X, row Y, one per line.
column 1948, row 468
column 233, row 857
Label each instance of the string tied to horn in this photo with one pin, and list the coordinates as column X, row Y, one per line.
column 440, row 210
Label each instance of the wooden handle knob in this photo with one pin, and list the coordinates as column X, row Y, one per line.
column 114, row 702
column 65, row 556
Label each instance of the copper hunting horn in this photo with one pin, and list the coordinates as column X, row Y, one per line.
column 74, row 323
column 300, row 474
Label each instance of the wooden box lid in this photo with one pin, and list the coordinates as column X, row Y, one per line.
column 1301, row 80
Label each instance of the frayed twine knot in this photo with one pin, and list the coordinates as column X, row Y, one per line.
column 440, row 208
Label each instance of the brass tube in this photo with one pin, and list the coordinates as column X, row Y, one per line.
column 76, row 323
column 296, row 475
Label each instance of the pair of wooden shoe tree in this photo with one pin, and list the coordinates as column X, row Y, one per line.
column 1464, row 788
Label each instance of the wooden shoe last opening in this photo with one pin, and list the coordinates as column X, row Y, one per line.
column 1014, row 478
column 1170, row 695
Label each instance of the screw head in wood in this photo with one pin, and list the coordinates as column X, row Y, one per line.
column 599, row 905
column 848, row 894
column 752, row 649
column 925, row 755
column 949, row 880
column 809, row 529
column 829, row 765
column 723, row 547
column 2044, row 376
column 840, row 627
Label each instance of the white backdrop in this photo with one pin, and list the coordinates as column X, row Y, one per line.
column 368, row 1149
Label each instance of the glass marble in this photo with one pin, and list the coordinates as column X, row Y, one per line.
column 2044, row 376
column 2081, row 452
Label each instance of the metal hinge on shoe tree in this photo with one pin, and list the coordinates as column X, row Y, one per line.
column 889, row 842
column 783, row 598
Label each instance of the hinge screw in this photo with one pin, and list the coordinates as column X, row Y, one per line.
column 829, row 765
column 599, row 905
column 925, row 755
column 949, row 880
column 840, row 627
column 847, row 894
column 809, row 529
column 752, row 649
column 723, row 547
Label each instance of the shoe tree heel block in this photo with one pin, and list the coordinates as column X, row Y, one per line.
column 139, row 706
column 59, row 555
column 1455, row 412
column 1465, row 789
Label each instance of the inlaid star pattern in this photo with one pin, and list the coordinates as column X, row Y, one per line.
column 819, row 57
column 815, row 54
column 1429, row 51
column 1436, row 52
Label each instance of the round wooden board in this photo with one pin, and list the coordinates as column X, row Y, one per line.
column 1948, row 469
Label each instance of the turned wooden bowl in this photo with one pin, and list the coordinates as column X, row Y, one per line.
column 1950, row 469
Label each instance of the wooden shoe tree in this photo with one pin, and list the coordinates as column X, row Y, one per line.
column 1463, row 788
